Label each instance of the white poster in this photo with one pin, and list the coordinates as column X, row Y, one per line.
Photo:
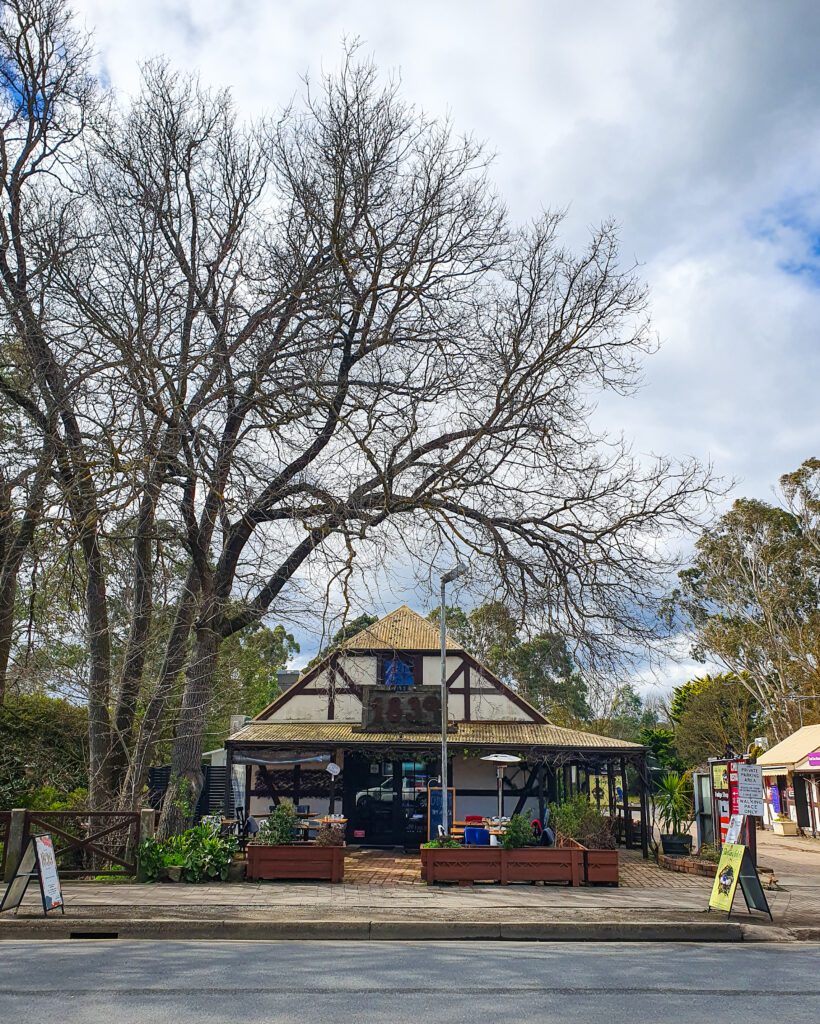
column 49, row 879
column 733, row 831
column 750, row 790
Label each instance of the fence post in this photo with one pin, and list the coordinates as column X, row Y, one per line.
column 148, row 817
column 14, row 843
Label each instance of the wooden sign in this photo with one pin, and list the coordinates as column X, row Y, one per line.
column 38, row 860
column 736, row 867
column 387, row 710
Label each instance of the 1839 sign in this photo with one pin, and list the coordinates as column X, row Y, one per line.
column 386, row 710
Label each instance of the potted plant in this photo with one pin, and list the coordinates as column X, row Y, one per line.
column 673, row 801
column 783, row 825
column 578, row 822
column 273, row 854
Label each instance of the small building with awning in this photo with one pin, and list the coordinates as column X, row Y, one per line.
column 791, row 774
column 359, row 734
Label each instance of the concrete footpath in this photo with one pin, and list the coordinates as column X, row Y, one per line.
column 383, row 898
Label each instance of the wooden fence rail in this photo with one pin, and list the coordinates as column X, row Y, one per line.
column 89, row 842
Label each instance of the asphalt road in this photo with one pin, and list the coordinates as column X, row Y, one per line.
column 86, row 982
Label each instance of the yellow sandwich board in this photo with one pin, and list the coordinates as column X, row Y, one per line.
column 726, row 879
column 737, row 867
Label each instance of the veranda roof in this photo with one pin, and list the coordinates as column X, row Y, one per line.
column 479, row 734
column 793, row 751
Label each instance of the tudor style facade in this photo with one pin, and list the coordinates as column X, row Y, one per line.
column 372, row 707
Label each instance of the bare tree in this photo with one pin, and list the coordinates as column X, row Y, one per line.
column 274, row 353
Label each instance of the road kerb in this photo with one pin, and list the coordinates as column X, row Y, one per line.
column 374, row 930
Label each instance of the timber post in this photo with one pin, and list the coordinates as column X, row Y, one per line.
column 14, row 843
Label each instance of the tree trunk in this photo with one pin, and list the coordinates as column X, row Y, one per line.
column 175, row 654
column 8, row 593
column 185, row 783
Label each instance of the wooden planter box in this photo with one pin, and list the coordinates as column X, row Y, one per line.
column 600, row 867
column 495, row 864
column 318, row 863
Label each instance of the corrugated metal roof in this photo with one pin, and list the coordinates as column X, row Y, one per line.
column 402, row 630
column 792, row 749
column 490, row 734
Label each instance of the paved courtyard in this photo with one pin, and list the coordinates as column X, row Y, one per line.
column 386, row 884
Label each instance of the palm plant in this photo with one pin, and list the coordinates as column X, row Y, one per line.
column 673, row 800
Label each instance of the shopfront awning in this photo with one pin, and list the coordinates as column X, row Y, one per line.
column 500, row 735
column 796, row 753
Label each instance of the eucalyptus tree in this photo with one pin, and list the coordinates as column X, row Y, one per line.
column 752, row 598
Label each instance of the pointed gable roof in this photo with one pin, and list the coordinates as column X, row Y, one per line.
column 401, row 630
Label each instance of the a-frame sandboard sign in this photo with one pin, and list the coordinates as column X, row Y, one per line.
column 736, row 865
column 38, row 860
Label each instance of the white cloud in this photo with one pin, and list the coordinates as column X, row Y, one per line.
column 697, row 126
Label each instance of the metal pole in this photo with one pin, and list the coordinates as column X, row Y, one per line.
column 500, row 785
column 444, row 794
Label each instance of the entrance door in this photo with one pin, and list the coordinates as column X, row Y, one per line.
column 385, row 802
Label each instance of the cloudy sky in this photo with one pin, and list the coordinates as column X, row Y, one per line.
column 695, row 125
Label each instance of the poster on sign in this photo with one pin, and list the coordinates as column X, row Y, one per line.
column 49, row 877
column 38, row 861
column 734, row 829
column 749, row 790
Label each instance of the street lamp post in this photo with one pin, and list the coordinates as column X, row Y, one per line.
column 458, row 570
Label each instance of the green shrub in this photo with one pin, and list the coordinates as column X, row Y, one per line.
column 280, row 827
column 579, row 819
column 202, row 855
column 518, row 833
column 445, row 843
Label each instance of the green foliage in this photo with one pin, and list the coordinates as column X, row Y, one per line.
column 673, row 801
column 717, row 713
column 709, row 852
column 447, row 843
column 43, row 743
column 152, row 857
column 540, row 668
column 247, row 675
column 49, row 798
column 660, row 740
column 518, row 833
column 202, row 855
column 752, row 598
column 279, row 828
column 579, row 819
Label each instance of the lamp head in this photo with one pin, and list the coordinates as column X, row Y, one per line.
column 453, row 574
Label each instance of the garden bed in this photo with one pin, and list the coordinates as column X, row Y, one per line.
column 278, row 863
column 495, row 864
column 688, row 865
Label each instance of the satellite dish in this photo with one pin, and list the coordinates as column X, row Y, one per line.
column 503, row 758
column 333, row 769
